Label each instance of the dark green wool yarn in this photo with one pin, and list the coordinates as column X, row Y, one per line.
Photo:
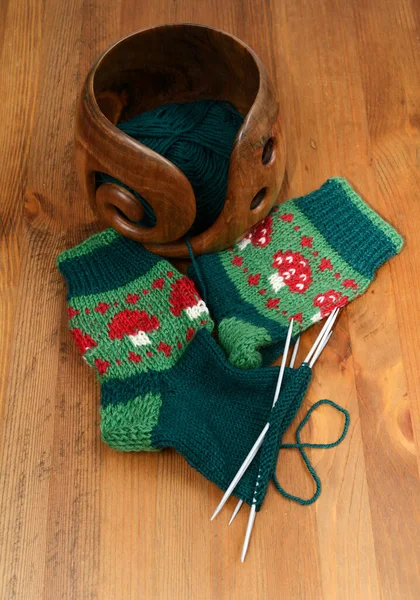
column 198, row 138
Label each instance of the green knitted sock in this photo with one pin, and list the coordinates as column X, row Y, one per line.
column 308, row 256
column 164, row 381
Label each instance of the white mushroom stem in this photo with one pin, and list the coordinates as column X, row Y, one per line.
column 244, row 243
column 276, row 281
column 195, row 311
column 140, row 339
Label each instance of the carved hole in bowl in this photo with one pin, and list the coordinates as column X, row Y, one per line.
column 258, row 199
column 268, row 151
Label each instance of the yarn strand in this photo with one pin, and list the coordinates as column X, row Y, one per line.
column 301, row 447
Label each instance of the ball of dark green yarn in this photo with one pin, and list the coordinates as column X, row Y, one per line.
column 198, row 138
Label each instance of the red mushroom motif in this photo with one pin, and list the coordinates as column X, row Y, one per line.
column 184, row 296
column 293, row 270
column 135, row 324
column 327, row 302
column 260, row 235
column 82, row 340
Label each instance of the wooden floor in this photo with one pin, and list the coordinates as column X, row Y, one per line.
column 79, row 521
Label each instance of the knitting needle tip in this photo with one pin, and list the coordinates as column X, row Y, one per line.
column 216, row 512
column 235, row 512
column 295, row 349
column 283, row 363
column 249, row 527
column 324, row 340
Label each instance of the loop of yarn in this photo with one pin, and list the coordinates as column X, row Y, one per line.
column 301, row 446
column 198, row 138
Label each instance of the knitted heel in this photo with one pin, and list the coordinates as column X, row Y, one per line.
column 242, row 342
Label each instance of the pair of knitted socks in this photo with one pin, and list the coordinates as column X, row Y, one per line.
column 144, row 328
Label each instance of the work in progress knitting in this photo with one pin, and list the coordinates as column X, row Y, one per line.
column 145, row 329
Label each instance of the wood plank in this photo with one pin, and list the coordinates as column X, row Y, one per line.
column 328, row 138
column 390, row 412
column 74, row 517
column 19, row 65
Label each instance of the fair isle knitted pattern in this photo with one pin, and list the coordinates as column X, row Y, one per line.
column 164, row 382
column 129, row 312
column 306, row 257
column 124, row 327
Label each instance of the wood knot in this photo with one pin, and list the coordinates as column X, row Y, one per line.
column 405, row 424
column 36, row 209
column 32, row 206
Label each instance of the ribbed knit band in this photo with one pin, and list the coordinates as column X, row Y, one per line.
column 104, row 262
column 359, row 235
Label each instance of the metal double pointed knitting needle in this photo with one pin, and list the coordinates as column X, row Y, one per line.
column 248, row 460
column 253, row 511
column 321, row 346
column 320, row 343
column 291, row 365
column 294, row 353
column 322, row 334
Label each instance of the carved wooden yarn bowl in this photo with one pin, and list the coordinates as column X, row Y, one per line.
column 177, row 63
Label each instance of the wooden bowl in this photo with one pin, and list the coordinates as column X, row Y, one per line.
column 177, row 63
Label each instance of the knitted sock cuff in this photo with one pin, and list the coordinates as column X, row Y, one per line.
column 359, row 235
column 104, row 262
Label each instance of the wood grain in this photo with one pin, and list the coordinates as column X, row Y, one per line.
column 79, row 521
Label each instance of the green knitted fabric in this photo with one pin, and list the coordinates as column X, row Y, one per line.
column 164, row 381
column 306, row 257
